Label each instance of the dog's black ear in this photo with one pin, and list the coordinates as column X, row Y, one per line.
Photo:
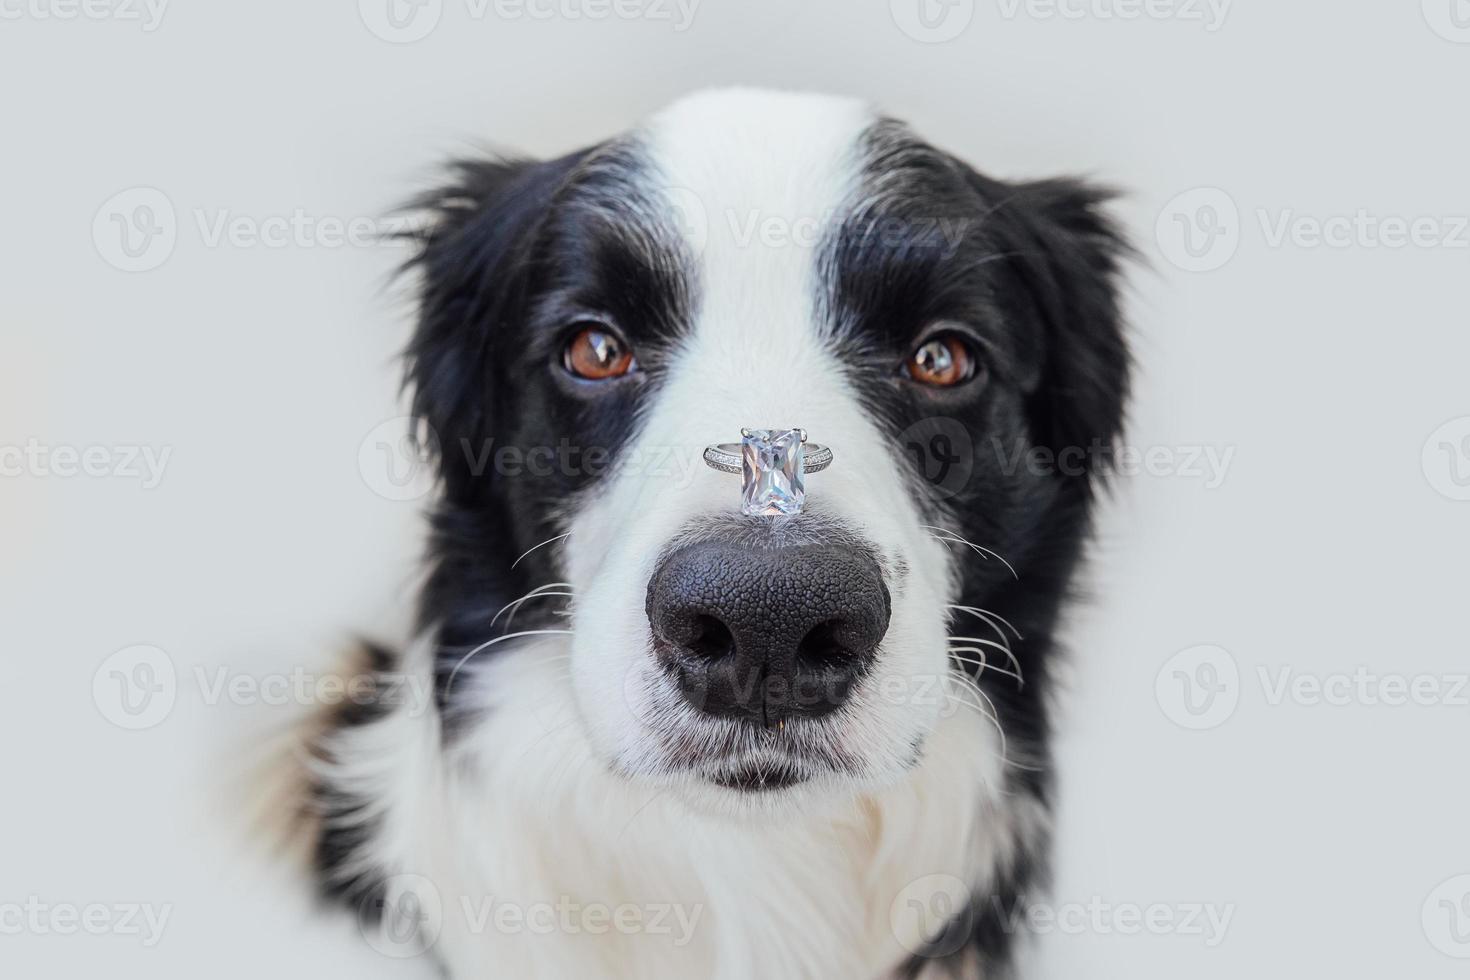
column 474, row 250
column 1068, row 255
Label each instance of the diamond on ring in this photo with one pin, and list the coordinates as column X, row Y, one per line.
column 773, row 464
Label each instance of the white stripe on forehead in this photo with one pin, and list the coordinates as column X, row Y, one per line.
column 756, row 148
column 757, row 179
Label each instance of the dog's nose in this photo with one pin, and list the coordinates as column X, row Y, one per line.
column 766, row 635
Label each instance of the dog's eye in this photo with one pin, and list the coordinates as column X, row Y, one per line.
column 597, row 354
column 944, row 360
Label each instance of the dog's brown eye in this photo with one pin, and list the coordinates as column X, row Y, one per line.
column 943, row 361
column 597, row 354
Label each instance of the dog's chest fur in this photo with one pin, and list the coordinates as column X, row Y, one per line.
column 545, row 864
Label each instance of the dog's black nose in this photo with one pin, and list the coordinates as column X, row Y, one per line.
column 765, row 635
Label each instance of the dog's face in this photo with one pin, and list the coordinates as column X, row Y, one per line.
column 590, row 324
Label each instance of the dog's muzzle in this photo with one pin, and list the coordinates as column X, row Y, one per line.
column 766, row 634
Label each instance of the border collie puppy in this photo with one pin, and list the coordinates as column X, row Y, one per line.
column 671, row 738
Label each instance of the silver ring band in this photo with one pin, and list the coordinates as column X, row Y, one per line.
column 726, row 458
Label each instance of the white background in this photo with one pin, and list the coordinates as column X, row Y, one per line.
column 1334, row 540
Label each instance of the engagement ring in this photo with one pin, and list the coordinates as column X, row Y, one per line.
column 773, row 464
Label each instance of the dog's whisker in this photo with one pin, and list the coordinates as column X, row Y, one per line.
column 541, row 545
column 1004, row 648
column 979, row 550
column 511, row 618
column 533, row 594
column 990, row 617
column 449, row 684
column 982, row 641
column 984, row 664
column 1001, row 641
column 955, row 538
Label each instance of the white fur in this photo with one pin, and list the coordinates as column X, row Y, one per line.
column 566, row 789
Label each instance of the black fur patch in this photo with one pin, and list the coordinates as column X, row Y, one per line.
column 1029, row 272
column 520, row 253
column 343, row 831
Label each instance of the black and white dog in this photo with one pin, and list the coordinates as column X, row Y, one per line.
column 671, row 740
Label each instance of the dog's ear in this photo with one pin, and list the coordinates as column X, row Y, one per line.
column 1068, row 255
column 473, row 251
